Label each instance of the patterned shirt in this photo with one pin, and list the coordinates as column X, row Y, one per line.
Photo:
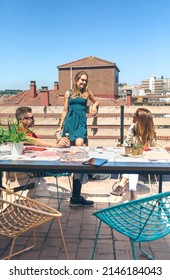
column 132, row 136
column 29, row 132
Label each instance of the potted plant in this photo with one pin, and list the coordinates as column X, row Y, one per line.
column 134, row 149
column 13, row 136
column 128, row 150
column 140, row 149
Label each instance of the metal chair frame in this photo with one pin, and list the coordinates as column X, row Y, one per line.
column 58, row 187
column 141, row 220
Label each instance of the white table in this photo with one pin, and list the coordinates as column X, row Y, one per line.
column 156, row 161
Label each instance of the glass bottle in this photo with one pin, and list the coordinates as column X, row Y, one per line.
column 67, row 135
column 68, row 138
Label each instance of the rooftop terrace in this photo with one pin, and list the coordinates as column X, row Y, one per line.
column 80, row 227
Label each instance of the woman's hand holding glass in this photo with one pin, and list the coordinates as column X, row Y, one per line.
column 64, row 142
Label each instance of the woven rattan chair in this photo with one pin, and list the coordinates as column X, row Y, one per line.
column 141, row 220
column 19, row 214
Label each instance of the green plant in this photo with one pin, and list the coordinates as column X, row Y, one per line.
column 135, row 146
column 12, row 134
column 140, row 145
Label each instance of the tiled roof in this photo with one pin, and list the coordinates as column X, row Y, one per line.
column 24, row 99
column 90, row 61
column 21, row 99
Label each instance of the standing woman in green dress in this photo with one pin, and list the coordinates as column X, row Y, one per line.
column 73, row 119
column 74, row 122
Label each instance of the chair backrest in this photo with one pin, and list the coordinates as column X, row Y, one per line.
column 19, row 214
column 141, row 220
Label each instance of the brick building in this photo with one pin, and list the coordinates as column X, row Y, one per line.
column 103, row 76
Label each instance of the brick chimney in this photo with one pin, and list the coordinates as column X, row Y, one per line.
column 44, row 96
column 128, row 97
column 56, row 86
column 33, row 92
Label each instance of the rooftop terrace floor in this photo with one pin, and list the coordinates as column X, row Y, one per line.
column 80, row 227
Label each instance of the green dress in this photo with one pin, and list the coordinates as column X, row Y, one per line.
column 76, row 122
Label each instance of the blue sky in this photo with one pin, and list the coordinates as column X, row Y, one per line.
column 38, row 35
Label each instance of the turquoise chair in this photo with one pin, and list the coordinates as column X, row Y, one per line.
column 141, row 220
column 60, row 191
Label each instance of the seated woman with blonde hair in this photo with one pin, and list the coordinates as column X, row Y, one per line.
column 141, row 131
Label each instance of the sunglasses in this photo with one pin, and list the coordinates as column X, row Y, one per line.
column 29, row 118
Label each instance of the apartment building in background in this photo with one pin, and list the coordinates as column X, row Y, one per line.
column 151, row 92
column 156, row 86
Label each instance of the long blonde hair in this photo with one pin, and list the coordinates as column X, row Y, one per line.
column 145, row 129
column 75, row 90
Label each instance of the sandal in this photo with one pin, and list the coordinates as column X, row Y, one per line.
column 118, row 191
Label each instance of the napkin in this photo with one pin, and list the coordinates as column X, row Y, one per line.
column 35, row 149
column 146, row 148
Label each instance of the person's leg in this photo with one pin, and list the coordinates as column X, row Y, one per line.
column 119, row 190
column 77, row 184
column 77, row 200
column 133, row 195
column 133, row 181
column 79, row 142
